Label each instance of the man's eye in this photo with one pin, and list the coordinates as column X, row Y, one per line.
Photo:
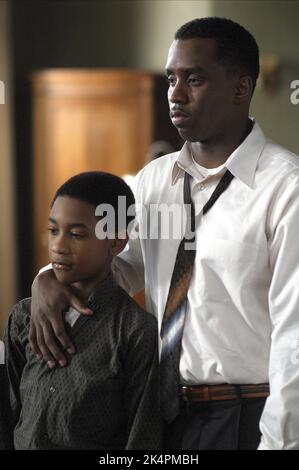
column 195, row 80
column 53, row 231
column 171, row 80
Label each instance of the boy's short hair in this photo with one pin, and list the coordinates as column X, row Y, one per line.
column 98, row 187
column 236, row 46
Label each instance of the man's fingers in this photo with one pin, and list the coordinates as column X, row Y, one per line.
column 47, row 356
column 33, row 342
column 79, row 306
column 59, row 330
column 52, row 347
column 49, row 299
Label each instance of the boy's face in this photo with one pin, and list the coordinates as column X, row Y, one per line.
column 76, row 254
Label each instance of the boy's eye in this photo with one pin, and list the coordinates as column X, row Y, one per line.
column 77, row 235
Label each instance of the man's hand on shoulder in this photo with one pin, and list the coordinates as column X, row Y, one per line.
column 47, row 334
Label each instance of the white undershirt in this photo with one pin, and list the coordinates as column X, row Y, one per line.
column 206, row 172
column 71, row 316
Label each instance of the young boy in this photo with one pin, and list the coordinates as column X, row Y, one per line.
column 107, row 395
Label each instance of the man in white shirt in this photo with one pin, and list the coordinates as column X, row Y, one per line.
column 241, row 320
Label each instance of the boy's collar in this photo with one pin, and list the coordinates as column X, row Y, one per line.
column 103, row 293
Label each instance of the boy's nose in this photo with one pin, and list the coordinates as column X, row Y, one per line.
column 59, row 246
column 61, row 250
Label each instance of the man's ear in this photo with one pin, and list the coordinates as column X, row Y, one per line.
column 117, row 245
column 244, row 89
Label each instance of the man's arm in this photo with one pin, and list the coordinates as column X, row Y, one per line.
column 142, row 390
column 280, row 419
column 50, row 298
column 128, row 266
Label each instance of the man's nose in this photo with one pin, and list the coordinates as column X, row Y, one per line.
column 178, row 92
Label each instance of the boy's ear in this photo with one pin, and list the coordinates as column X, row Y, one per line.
column 117, row 245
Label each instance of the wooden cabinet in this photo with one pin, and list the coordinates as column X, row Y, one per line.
column 92, row 120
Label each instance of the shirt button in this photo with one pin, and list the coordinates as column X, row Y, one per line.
column 52, row 389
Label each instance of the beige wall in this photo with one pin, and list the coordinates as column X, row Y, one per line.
column 7, row 255
column 274, row 24
column 156, row 23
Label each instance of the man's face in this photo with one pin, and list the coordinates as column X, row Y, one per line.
column 76, row 254
column 201, row 90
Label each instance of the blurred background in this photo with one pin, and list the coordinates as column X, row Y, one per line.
column 84, row 90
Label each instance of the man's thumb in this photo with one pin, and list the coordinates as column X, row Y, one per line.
column 78, row 305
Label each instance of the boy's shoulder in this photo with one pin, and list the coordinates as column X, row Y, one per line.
column 134, row 313
column 110, row 298
column 19, row 319
column 21, row 310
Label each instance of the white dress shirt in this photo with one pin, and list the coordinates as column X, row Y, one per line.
column 242, row 320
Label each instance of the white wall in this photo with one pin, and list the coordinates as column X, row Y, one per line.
column 155, row 24
column 274, row 24
column 8, row 275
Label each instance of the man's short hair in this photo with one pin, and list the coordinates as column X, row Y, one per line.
column 237, row 48
column 97, row 187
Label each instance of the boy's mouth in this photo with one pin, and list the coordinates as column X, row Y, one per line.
column 61, row 266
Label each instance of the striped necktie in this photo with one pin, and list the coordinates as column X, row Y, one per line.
column 175, row 310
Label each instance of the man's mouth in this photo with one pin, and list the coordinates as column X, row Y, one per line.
column 179, row 117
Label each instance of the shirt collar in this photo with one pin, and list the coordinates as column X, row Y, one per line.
column 104, row 293
column 241, row 163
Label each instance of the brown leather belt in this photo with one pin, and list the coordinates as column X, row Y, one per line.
column 202, row 393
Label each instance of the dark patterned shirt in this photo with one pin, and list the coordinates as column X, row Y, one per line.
column 107, row 396
column 5, row 441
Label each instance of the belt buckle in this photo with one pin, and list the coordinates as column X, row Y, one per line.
column 205, row 393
